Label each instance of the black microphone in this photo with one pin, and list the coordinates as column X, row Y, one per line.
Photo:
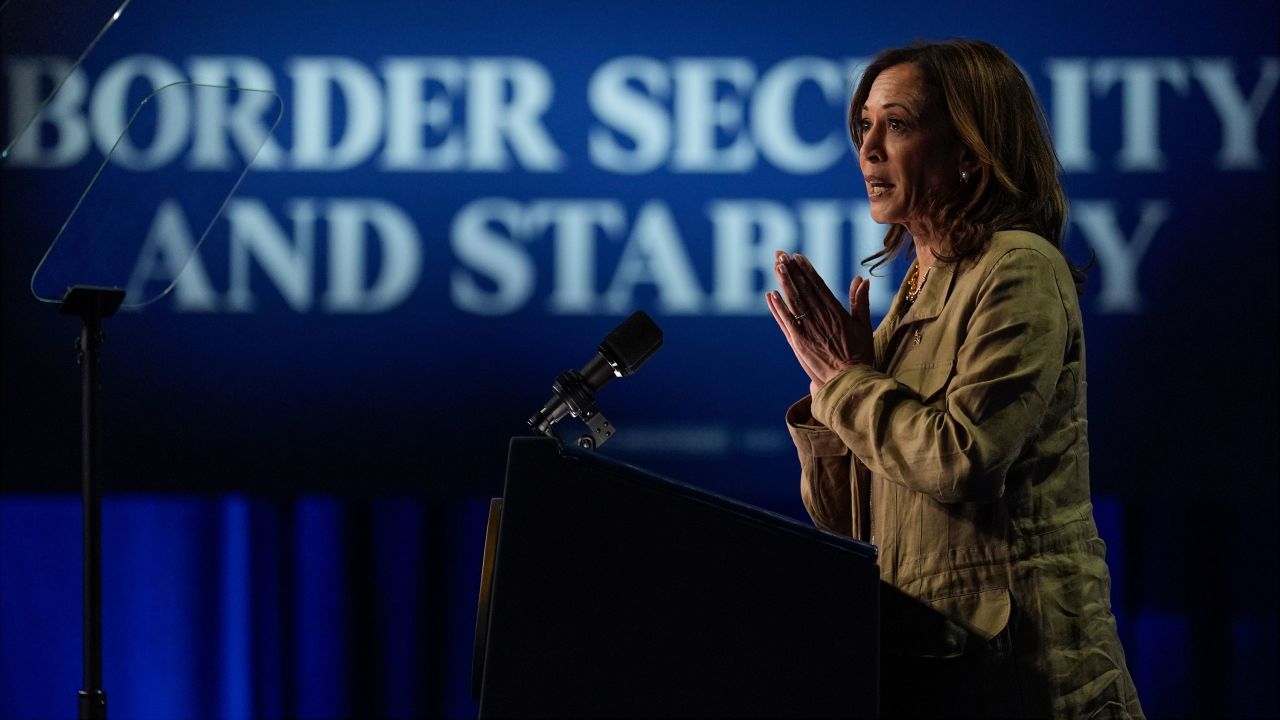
column 621, row 353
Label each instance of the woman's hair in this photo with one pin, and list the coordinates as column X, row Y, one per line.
column 993, row 111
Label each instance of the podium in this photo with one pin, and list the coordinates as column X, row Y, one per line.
column 610, row 592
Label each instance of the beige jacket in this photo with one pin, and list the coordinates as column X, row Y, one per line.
column 963, row 455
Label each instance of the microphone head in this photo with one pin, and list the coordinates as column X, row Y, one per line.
column 630, row 344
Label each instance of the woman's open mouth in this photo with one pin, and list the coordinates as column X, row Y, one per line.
column 878, row 188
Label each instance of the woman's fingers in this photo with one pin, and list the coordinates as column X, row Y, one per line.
column 862, row 344
column 863, row 313
column 782, row 315
column 824, row 336
column 810, row 284
column 795, row 302
column 809, row 276
column 778, row 310
column 797, row 287
column 795, row 268
column 859, row 300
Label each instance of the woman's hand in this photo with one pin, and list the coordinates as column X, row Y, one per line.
column 824, row 337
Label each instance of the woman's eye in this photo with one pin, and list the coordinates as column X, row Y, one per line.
column 896, row 124
column 864, row 125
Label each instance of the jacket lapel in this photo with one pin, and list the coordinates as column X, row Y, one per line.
column 933, row 296
column 928, row 305
column 888, row 326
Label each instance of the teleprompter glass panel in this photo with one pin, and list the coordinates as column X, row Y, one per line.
column 146, row 212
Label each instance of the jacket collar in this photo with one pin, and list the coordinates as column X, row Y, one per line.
column 933, row 296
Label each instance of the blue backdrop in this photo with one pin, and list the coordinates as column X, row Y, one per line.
column 460, row 201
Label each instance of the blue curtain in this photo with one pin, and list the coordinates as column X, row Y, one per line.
column 239, row 607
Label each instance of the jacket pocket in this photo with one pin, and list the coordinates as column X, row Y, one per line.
column 926, row 380
column 984, row 614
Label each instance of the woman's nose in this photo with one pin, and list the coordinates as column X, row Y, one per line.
column 872, row 150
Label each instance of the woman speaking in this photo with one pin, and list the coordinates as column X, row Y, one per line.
column 954, row 436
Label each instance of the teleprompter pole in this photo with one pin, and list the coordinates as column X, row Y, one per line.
column 92, row 305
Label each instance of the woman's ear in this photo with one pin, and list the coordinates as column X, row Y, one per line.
column 968, row 164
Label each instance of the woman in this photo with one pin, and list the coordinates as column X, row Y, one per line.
column 954, row 437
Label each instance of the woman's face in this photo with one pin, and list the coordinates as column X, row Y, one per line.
column 908, row 152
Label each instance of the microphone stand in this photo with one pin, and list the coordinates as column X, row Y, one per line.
column 92, row 305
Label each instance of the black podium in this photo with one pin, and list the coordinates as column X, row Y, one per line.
column 610, row 592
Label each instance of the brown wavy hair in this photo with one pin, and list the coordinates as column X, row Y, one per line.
column 993, row 112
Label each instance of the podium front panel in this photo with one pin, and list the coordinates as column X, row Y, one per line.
column 618, row 593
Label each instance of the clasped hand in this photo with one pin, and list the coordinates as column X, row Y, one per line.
column 825, row 338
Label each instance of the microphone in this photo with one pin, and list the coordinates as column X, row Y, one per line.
column 621, row 353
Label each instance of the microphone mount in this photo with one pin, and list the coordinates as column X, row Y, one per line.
column 571, row 387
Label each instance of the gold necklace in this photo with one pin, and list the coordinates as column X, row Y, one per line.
column 917, row 282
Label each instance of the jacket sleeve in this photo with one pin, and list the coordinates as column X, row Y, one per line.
column 824, row 470
column 1006, row 366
